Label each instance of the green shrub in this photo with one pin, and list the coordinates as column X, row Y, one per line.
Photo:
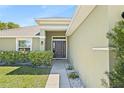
column 22, row 56
column 8, row 57
column 11, row 57
column 73, row 75
column 116, row 37
column 70, row 67
column 1, row 56
column 39, row 58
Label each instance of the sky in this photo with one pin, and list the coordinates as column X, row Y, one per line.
column 24, row 15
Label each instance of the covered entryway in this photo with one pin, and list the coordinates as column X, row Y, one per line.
column 56, row 41
column 55, row 28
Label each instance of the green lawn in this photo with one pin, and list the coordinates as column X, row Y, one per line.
column 23, row 77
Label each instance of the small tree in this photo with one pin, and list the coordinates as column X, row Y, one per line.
column 116, row 36
column 3, row 25
column 8, row 25
column 12, row 25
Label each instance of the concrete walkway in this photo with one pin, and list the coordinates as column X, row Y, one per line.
column 53, row 81
column 59, row 68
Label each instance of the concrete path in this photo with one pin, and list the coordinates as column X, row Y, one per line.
column 59, row 68
column 55, row 81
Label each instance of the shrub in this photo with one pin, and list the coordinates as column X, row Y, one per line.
column 39, row 58
column 73, row 75
column 1, row 56
column 11, row 57
column 22, row 56
column 8, row 57
column 70, row 67
column 116, row 76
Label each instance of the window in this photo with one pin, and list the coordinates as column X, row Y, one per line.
column 24, row 45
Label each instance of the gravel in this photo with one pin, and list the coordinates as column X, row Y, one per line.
column 74, row 83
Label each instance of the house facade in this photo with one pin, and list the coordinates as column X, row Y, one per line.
column 48, row 35
column 82, row 40
column 89, row 48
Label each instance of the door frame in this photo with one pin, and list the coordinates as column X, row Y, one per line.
column 59, row 40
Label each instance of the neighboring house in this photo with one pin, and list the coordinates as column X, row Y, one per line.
column 81, row 40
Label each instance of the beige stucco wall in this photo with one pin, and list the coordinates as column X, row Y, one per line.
column 7, row 44
column 35, row 44
column 49, row 35
column 114, row 13
column 91, row 64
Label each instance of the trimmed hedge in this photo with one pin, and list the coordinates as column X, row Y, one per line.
column 37, row 58
column 22, row 57
column 41, row 58
column 8, row 57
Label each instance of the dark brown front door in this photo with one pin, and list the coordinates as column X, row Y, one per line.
column 59, row 49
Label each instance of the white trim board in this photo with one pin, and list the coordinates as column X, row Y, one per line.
column 22, row 36
column 103, row 48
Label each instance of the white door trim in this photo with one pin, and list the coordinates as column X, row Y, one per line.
column 59, row 40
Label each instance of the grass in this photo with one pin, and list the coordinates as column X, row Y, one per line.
column 23, row 77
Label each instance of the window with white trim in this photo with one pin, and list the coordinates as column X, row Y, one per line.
column 24, row 45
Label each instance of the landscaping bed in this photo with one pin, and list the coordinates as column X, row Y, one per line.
column 23, row 77
column 73, row 76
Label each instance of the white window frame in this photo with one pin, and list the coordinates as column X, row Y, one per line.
column 59, row 40
column 17, row 42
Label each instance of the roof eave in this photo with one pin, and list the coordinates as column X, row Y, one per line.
column 47, row 21
column 78, row 17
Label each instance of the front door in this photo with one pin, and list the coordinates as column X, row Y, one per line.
column 59, row 49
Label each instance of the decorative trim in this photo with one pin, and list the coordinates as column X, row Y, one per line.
column 103, row 48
